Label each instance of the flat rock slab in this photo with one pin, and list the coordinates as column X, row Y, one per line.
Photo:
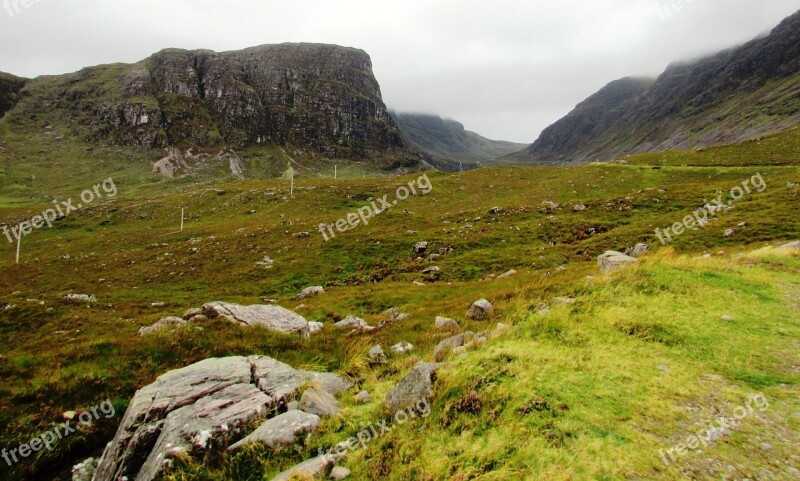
column 281, row 431
column 274, row 318
column 612, row 260
column 199, row 409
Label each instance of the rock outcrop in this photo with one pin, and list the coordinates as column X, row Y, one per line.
column 323, row 99
column 201, row 408
column 274, row 318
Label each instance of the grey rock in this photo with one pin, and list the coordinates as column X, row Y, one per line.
column 363, row 397
column 293, row 406
column 789, row 245
column 274, row 318
column 201, row 408
column 188, row 315
column 420, row 248
column 727, row 318
column 444, row 324
column 339, row 473
column 612, row 260
column 444, row 347
column 309, row 292
column 351, row 322
column 729, row 233
column 402, row 347
column 480, row 310
column 432, row 270
column 579, row 208
column 563, row 301
column 80, row 298
column 281, row 431
column 162, row 324
column 315, row 327
column 320, row 402
column 377, row 356
column 508, row 274
column 415, row 387
column 638, row 250
column 495, row 210
column 316, row 468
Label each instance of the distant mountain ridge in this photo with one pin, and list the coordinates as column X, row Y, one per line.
column 447, row 144
column 735, row 95
column 322, row 97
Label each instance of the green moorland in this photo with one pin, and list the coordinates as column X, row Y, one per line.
column 592, row 390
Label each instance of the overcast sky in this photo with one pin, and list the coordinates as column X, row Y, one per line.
column 505, row 68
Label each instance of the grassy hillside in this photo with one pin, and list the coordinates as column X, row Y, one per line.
column 580, row 386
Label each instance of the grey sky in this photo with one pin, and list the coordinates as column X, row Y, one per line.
column 506, row 68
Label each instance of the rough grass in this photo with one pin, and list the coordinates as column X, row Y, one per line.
column 576, row 394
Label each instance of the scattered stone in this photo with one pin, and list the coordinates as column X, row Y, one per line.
column 561, row 268
column 508, row 274
column 320, row 402
column 402, row 347
column 351, row 322
column 444, row 324
column 157, row 304
column 69, row 415
column 415, row 387
column 579, row 208
column 315, row 327
column 162, row 324
column 543, row 311
column 639, row 250
column 727, row 318
column 309, row 292
column 266, row 263
column 192, row 313
column 377, row 356
column 420, row 248
column 563, row 301
column 363, row 397
column 460, row 350
column 480, row 310
column 664, row 368
column 432, row 270
column 434, row 257
column 419, row 284
column 274, row 318
column 446, row 346
column 496, row 210
column 742, row 225
column 302, row 235
column 612, row 260
column 729, row 233
column 481, row 342
column 80, row 298
column 317, row 468
column 500, row 329
column 280, row 431
column 339, row 473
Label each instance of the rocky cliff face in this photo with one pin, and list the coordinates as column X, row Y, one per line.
column 9, row 91
column 736, row 95
column 447, row 144
column 322, row 97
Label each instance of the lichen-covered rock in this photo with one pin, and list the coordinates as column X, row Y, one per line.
column 320, row 402
column 281, row 431
column 317, row 468
column 162, row 324
column 377, row 356
column 444, row 324
column 202, row 408
column 612, row 260
column 415, row 387
column 480, row 310
column 309, row 292
column 350, row 323
column 274, row 318
column 444, row 347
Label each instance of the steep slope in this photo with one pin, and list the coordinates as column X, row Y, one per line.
column 448, row 144
column 10, row 86
column 736, row 95
column 320, row 97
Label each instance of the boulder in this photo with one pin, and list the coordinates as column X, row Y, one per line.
column 320, row 402
column 201, row 408
column 415, row 387
column 162, row 324
column 444, row 324
column 80, row 298
column 789, row 245
column 339, row 473
column 281, row 431
column 444, row 347
column 420, row 248
column 363, row 397
column 612, row 260
column 351, row 322
column 274, row 318
column 508, row 274
column 639, row 250
column 316, row 468
column 315, row 327
column 480, row 310
column 309, row 292
column 377, row 356
column 579, row 208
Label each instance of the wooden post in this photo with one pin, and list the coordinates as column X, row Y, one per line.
column 182, row 209
column 19, row 241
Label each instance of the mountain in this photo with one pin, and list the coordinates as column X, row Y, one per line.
column 322, row 98
column 735, row 95
column 448, row 144
column 10, row 86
